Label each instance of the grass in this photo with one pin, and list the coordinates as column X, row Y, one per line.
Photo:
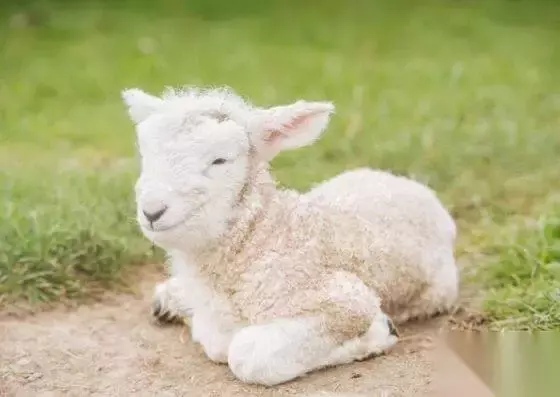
column 65, row 232
column 523, row 276
column 461, row 95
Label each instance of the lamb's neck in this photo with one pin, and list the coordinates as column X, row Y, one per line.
column 260, row 207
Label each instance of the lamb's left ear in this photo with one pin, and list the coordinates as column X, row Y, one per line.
column 289, row 127
column 140, row 104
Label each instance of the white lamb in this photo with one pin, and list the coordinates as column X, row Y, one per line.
column 277, row 283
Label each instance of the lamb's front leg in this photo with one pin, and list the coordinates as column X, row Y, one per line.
column 214, row 333
column 170, row 301
column 336, row 332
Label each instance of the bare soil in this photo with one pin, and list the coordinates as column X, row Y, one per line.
column 113, row 348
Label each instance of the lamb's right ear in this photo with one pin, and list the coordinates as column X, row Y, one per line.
column 140, row 104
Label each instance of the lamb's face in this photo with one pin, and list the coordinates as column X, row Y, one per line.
column 196, row 154
column 193, row 169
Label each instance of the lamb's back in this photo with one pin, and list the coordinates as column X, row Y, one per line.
column 388, row 202
column 405, row 235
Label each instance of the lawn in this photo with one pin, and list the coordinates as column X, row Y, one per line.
column 463, row 95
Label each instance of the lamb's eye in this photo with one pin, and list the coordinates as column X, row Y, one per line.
column 219, row 161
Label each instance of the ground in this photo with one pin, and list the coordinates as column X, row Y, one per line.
column 112, row 348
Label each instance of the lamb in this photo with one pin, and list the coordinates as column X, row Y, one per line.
column 278, row 283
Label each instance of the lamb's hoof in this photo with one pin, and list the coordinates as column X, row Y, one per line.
column 162, row 311
column 392, row 329
column 381, row 337
column 385, row 337
column 163, row 315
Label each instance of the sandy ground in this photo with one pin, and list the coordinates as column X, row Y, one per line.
column 113, row 348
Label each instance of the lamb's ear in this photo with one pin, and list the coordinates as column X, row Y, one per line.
column 289, row 127
column 140, row 104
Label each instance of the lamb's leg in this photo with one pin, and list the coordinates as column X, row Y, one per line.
column 169, row 302
column 277, row 352
column 345, row 325
column 438, row 297
column 214, row 331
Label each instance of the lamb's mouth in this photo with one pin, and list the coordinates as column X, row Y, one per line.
column 159, row 229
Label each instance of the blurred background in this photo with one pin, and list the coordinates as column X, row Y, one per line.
column 460, row 94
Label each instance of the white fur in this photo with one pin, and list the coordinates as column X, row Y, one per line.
column 140, row 104
column 282, row 350
column 280, row 283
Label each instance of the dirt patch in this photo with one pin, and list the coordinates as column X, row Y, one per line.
column 114, row 349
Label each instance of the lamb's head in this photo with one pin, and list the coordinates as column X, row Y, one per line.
column 199, row 152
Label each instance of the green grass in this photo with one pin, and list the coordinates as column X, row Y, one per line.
column 463, row 95
column 66, row 231
column 523, row 276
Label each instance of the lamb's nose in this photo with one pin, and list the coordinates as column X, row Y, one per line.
column 153, row 216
